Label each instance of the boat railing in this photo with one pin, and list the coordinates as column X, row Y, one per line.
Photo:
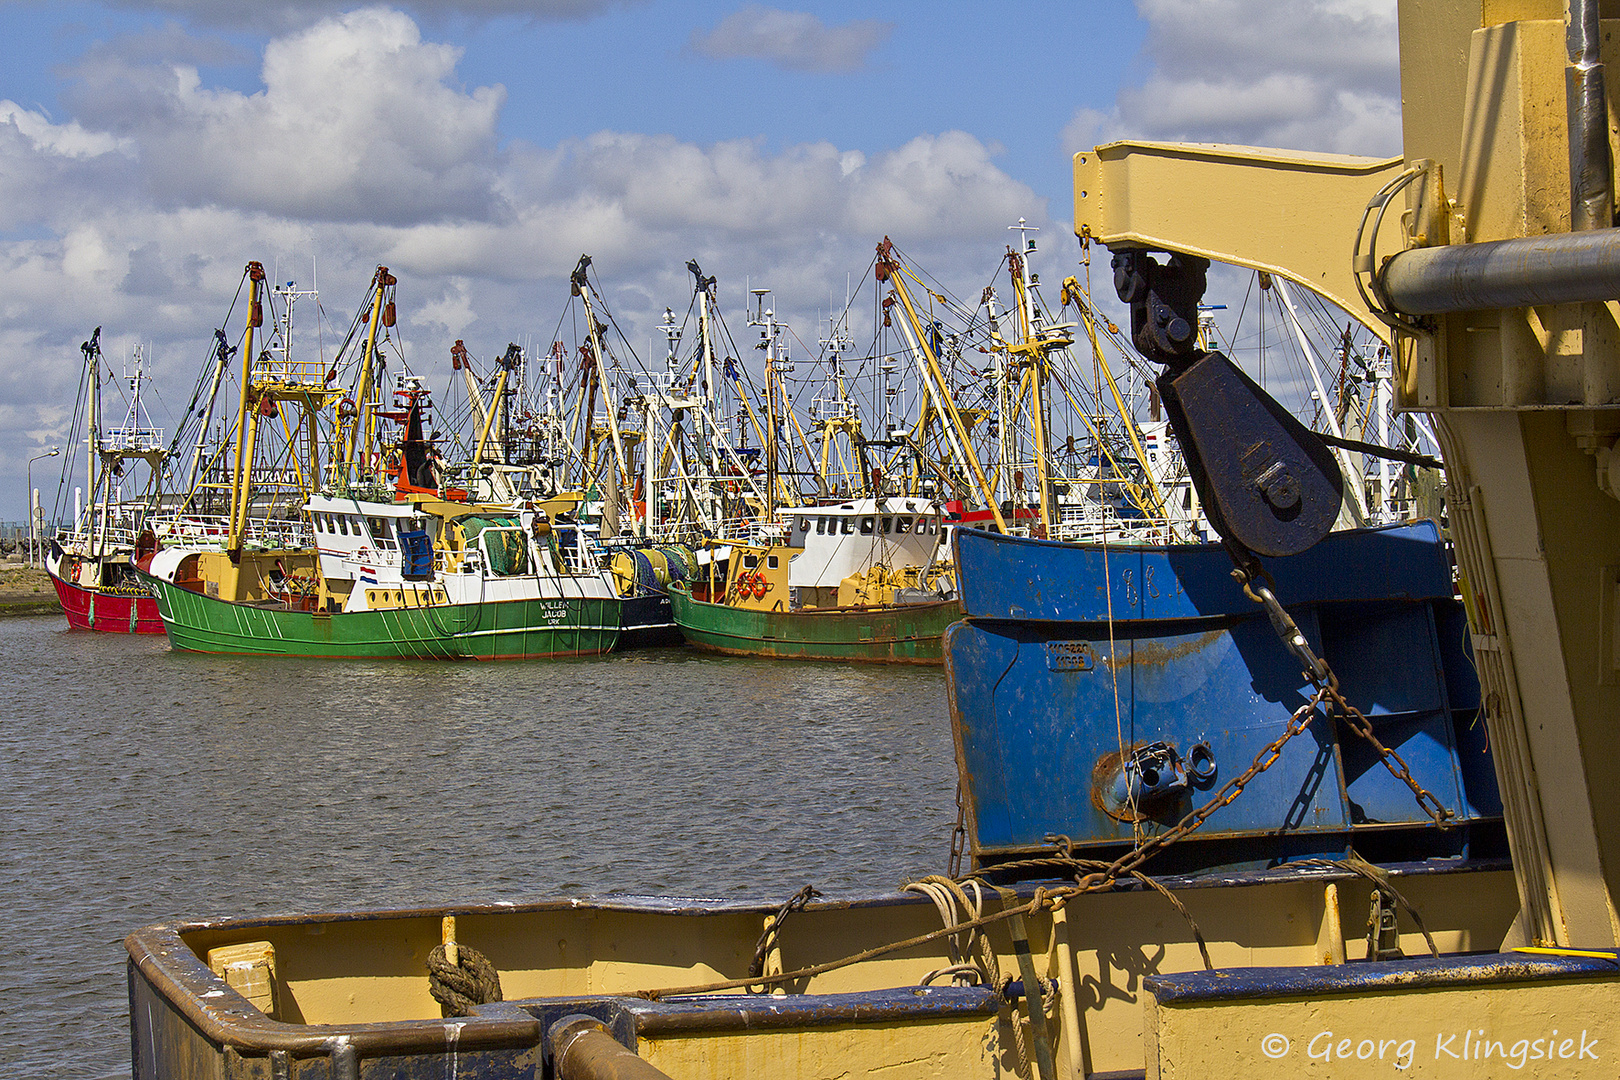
column 1088, row 526
column 137, row 440
column 84, row 541
column 577, row 552
column 742, row 530
column 752, row 531
column 210, row 530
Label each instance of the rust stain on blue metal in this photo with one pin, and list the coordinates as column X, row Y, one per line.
column 1150, row 653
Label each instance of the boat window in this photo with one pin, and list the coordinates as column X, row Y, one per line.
column 821, row 526
column 771, row 562
column 382, row 529
column 317, row 519
column 343, row 525
column 750, row 561
column 849, row 526
column 867, row 525
column 888, row 526
column 902, row 525
column 933, row 526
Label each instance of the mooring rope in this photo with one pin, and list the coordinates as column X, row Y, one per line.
column 461, row 987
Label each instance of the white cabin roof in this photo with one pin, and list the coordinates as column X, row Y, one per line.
column 327, row 504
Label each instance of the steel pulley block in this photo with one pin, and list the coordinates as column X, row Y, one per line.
column 1266, row 480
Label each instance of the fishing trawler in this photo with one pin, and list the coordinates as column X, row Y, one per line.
column 90, row 565
column 1497, row 284
column 862, row 580
column 419, row 575
column 400, row 564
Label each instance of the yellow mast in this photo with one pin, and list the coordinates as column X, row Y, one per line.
column 489, row 416
column 246, row 420
column 1072, row 290
column 362, row 427
column 934, row 379
column 1034, row 352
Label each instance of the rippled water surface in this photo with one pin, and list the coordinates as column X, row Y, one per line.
column 138, row 784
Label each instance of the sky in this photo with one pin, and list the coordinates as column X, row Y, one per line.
column 150, row 148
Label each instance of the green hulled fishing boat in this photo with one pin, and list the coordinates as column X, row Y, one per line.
column 512, row 629
column 426, row 579
column 859, row 581
column 908, row 634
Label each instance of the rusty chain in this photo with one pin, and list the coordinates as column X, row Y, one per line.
column 1259, row 586
column 773, row 929
column 1048, row 898
column 1357, row 722
column 958, row 835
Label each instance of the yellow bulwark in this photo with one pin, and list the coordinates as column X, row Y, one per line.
column 757, row 578
column 409, row 596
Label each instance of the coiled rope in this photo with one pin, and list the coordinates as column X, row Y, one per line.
column 461, row 987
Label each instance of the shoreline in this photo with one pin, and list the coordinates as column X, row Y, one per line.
column 26, row 591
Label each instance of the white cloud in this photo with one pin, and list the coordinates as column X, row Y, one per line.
column 65, row 140
column 796, row 40
column 139, row 211
column 357, row 121
column 453, row 311
column 1307, row 74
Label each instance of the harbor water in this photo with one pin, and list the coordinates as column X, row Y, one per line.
column 139, row 784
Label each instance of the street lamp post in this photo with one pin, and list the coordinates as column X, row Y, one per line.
column 33, row 537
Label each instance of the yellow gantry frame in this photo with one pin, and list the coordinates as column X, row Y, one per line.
column 278, row 385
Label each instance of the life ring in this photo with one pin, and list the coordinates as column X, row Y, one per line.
column 347, row 410
column 761, row 586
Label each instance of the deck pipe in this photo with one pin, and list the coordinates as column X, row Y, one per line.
column 1563, row 268
column 582, row 1049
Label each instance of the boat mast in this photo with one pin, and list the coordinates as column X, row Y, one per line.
column 92, row 354
column 246, row 424
column 765, row 319
column 223, row 351
column 1358, row 505
column 889, row 270
column 1035, row 350
column 309, row 475
column 362, row 425
column 706, row 348
column 621, row 466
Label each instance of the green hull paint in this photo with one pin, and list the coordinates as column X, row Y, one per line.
column 909, row 634
column 507, row 630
